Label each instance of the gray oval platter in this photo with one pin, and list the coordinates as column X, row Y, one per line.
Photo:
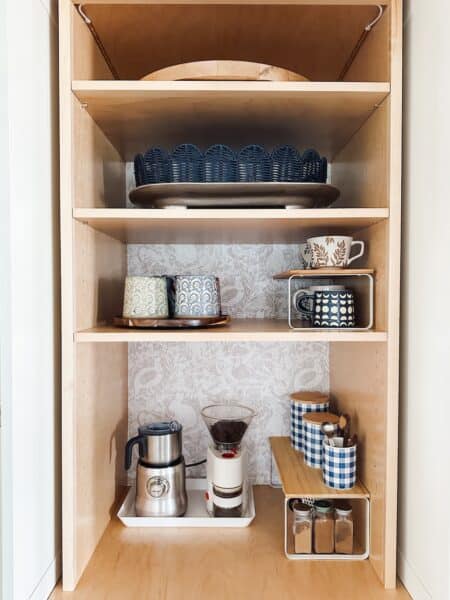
column 270, row 194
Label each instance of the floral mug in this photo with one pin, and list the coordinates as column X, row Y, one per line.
column 333, row 251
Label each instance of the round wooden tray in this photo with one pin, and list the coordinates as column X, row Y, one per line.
column 173, row 323
column 234, row 195
column 223, row 70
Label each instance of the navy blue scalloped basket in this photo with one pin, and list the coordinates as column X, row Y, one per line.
column 313, row 167
column 219, row 164
column 286, row 164
column 186, row 162
column 254, row 164
column 139, row 170
column 151, row 167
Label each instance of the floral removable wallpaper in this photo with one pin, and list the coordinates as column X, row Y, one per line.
column 176, row 380
column 245, row 272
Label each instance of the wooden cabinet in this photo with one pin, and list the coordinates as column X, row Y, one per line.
column 350, row 110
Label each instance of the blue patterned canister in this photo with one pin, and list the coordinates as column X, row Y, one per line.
column 313, row 440
column 197, row 296
column 339, row 466
column 301, row 403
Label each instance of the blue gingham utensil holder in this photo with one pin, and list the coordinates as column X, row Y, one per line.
column 298, row 409
column 339, row 466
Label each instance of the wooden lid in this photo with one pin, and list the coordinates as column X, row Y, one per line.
column 317, row 418
column 310, row 397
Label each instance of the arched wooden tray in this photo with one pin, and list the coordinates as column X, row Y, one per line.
column 223, row 70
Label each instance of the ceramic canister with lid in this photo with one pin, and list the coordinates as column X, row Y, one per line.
column 302, row 403
column 313, row 440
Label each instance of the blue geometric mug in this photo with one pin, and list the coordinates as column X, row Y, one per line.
column 334, row 309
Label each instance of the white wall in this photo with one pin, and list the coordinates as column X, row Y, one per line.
column 30, row 310
column 425, row 370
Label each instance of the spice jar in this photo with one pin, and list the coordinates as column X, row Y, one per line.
column 302, row 527
column 323, row 527
column 343, row 529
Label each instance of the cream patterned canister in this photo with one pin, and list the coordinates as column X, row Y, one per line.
column 197, row 296
column 145, row 297
column 333, row 251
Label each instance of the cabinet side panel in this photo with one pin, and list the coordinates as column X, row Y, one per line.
column 395, row 191
column 375, row 256
column 98, row 170
column 67, row 346
column 358, row 386
column 360, row 169
column 100, row 437
column 88, row 62
column 372, row 61
column 100, row 270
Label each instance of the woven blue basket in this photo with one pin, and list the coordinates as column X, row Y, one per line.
column 186, row 164
column 156, row 164
column 313, row 168
column 219, row 164
column 254, row 164
column 139, row 170
column 286, row 163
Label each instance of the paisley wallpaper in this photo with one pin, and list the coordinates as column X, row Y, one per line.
column 175, row 380
column 245, row 272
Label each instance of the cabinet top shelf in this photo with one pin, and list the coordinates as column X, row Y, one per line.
column 136, row 114
column 299, row 480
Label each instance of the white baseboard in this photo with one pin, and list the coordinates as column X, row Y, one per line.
column 48, row 581
column 413, row 584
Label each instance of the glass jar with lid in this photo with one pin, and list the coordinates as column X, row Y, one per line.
column 343, row 528
column 302, row 527
column 323, row 527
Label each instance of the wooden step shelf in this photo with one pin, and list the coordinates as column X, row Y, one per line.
column 327, row 114
column 239, row 330
column 147, row 226
column 299, row 480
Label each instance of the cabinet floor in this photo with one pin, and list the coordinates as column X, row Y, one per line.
column 199, row 564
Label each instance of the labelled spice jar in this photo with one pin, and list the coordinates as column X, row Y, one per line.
column 343, row 529
column 323, row 527
column 302, row 527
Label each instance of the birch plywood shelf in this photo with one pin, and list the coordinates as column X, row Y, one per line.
column 349, row 111
column 299, row 480
column 239, row 330
column 140, row 226
column 325, row 114
column 313, row 273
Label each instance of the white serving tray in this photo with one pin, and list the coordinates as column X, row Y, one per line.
column 196, row 515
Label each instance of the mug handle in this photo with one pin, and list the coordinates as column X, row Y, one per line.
column 354, row 243
column 303, row 310
column 295, row 296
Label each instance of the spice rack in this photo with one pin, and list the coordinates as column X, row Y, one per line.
column 360, row 507
column 300, row 481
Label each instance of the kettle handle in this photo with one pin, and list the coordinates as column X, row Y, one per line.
column 129, row 450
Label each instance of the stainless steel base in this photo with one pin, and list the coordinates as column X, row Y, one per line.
column 161, row 492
